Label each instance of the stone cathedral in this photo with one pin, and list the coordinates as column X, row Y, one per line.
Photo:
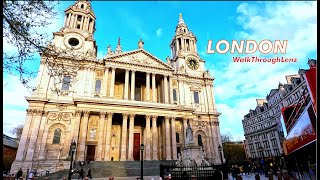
column 116, row 103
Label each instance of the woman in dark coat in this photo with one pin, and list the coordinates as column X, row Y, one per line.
column 89, row 173
column 19, row 173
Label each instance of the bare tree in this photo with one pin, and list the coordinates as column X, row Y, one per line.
column 17, row 131
column 21, row 23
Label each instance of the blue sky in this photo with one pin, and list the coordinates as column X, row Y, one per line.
column 236, row 85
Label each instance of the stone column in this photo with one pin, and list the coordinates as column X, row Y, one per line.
column 148, row 86
column 83, row 136
column 185, row 124
column 77, row 126
column 177, row 45
column 100, row 136
column 132, row 84
column 112, row 82
column 170, row 90
column 166, row 98
column 108, row 137
column 173, row 138
column 105, row 82
column 24, row 135
column 43, row 144
column 168, row 145
column 210, row 143
column 34, row 134
column 154, row 138
column 123, row 153
column 148, row 148
column 126, row 84
column 131, row 128
column 154, row 88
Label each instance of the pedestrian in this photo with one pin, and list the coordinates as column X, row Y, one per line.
column 89, row 174
column 81, row 173
column 19, row 173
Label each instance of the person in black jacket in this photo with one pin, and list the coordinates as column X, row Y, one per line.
column 19, row 173
column 81, row 173
column 89, row 173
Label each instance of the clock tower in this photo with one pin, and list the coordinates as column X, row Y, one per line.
column 78, row 29
column 185, row 58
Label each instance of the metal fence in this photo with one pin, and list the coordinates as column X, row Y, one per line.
column 190, row 173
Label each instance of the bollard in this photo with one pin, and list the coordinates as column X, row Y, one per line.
column 257, row 176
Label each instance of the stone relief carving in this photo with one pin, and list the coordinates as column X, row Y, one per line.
column 93, row 121
column 99, row 73
column 93, row 133
column 200, row 124
column 59, row 116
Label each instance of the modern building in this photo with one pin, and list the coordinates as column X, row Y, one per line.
column 112, row 105
column 9, row 151
column 262, row 126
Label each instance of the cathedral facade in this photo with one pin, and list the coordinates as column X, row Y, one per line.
column 116, row 103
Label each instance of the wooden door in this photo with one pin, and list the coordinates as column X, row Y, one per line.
column 91, row 151
column 136, row 146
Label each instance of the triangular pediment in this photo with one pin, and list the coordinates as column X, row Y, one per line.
column 139, row 57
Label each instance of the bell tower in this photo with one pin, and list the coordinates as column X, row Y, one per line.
column 185, row 58
column 78, row 29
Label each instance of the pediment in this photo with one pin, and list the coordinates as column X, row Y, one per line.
column 140, row 57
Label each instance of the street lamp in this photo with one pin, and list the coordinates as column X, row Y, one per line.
column 73, row 146
column 264, row 162
column 141, row 149
column 220, row 151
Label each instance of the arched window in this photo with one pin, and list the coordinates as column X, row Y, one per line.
column 199, row 140
column 66, row 83
column 82, row 6
column 98, row 86
column 56, row 136
column 177, row 138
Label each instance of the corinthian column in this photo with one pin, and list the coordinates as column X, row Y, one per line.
column 170, row 90
column 154, row 88
column 173, row 138
column 166, row 98
column 100, row 136
column 34, row 134
column 24, row 135
column 148, row 86
column 126, row 83
column 132, row 84
column 124, row 137
column 131, row 128
column 105, row 82
column 108, row 137
column 112, row 82
column 168, row 145
column 148, row 149
column 83, row 136
column 154, row 138
column 77, row 126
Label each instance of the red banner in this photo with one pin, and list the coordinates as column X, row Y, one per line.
column 311, row 77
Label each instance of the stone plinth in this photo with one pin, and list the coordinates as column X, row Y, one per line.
column 194, row 152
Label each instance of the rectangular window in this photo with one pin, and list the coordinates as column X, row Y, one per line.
column 174, row 95
column 137, row 93
column 66, row 83
column 98, row 86
column 196, row 97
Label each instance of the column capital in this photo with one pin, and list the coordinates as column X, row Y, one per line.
column 29, row 111
column 125, row 115
column 132, row 115
column 167, row 117
column 154, row 116
column 110, row 114
column 37, row 112
column 86, row 113
column 103, row 114
column 148, row 116
column 78, row 113
column 113, row 68
column 153, row 74
column 127, row 70
column 172, row 117
column 133, row 71
column 106, row 68
column 148, row 73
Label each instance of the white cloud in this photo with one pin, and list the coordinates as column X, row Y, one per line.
column 14, row 103
column 159, row 32
column 238, row 81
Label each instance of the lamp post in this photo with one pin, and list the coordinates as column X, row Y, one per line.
column 73, row 146
column 264, row 162
column 141, row 149
column 220, row 151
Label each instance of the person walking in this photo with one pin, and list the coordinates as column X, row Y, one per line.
column 19, row 173
column 81, row 173
column 89, row 173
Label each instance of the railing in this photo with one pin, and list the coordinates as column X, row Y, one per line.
column 190, row 172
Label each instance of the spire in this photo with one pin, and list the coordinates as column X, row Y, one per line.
column 118, row 48
column 181, row 21
column 119, row 41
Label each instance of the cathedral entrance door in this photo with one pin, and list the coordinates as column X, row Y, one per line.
column 136, row 147
column 91, row 151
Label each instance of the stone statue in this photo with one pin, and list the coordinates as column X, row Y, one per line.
column 189, row 135
column 93, row 133
column 187, row 160
column 109, row 50
column 179, row 162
